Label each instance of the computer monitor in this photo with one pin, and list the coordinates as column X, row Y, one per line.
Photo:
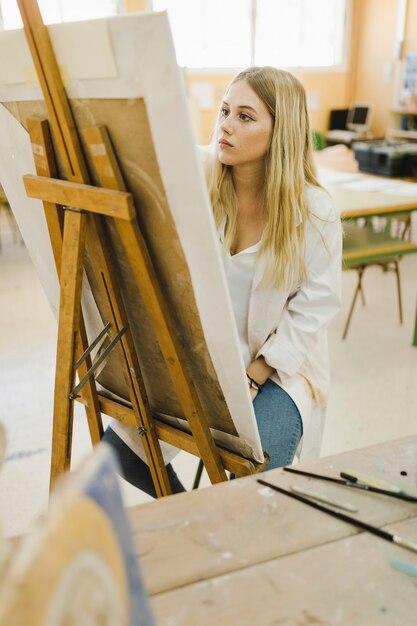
column 359, row 117
column 338, row 119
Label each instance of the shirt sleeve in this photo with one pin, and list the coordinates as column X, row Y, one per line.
column 316, row 301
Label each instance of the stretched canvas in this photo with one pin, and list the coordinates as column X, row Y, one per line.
column 122, row 73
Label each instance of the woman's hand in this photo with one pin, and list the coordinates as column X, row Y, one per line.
column 259, row 370
column 258, row 373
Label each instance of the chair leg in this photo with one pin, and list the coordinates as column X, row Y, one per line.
column 407, row 230
column 198, row 474
column 362, row 295
column 352, row 306
column 400, row 306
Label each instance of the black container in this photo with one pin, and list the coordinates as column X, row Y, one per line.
column 380, row 157
column 411, row 166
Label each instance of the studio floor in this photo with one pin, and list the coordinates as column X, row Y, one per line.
column 373, row 395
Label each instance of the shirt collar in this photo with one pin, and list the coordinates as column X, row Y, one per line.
column 298, row 221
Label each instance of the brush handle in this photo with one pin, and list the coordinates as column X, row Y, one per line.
column 409, row 545
column 374, row 530
column 402, row 495
column 369, row 480
column 325, row 509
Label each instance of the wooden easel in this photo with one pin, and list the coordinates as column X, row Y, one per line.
column 74, row 212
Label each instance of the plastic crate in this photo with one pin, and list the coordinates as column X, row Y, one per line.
column 380, row 158
column 387, row 158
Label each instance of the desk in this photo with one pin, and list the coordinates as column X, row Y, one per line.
column 239, row 554
column 346, row 137
column 354, row 203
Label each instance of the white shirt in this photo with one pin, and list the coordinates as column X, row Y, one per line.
column 289, row 328
column 240, row 271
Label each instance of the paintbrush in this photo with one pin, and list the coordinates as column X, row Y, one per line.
column 374, row 530
column 355, row 485
column 357, row 477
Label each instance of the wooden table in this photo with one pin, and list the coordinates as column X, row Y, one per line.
column 240, row 554
column 353, row 203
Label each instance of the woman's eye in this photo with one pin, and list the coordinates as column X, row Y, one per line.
column 224, row 112
column 246, row 118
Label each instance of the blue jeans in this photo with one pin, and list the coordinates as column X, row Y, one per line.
column 280, row 429
column 279, row 424
column 135, row 471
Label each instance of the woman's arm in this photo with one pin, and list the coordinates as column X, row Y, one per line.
column 314, row 303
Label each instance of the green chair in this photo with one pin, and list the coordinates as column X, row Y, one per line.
column 363, row 247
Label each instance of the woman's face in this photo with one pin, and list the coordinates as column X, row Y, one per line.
column 244, row 128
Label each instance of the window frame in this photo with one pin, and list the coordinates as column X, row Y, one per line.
column 119, row 10
column 297, row 69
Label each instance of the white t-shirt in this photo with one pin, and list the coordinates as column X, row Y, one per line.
column 240, row 270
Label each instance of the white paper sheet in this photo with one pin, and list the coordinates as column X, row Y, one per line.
column 333, row 177
column 402, row 188
column 368, row 183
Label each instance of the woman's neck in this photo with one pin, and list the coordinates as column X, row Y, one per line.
column 249, row 188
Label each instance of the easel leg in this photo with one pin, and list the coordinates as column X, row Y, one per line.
column 117, row 317
column 45, row 166
column 69, row 315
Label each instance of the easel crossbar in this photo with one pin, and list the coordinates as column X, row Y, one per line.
column 96, row 364
column 118, row 204
column 231, row 461
column 93, row 344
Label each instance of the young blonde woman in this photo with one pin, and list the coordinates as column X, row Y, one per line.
column 281, row 243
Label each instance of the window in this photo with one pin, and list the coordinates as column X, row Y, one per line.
column 54, row 11
column 304, row 33
column 236, row 33
column 209, row 33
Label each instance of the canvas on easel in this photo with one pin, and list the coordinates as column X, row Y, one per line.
column 129, row 108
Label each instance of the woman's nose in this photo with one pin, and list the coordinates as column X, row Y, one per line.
column 226, row 125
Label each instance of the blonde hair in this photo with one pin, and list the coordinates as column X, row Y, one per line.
column 288, row 168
